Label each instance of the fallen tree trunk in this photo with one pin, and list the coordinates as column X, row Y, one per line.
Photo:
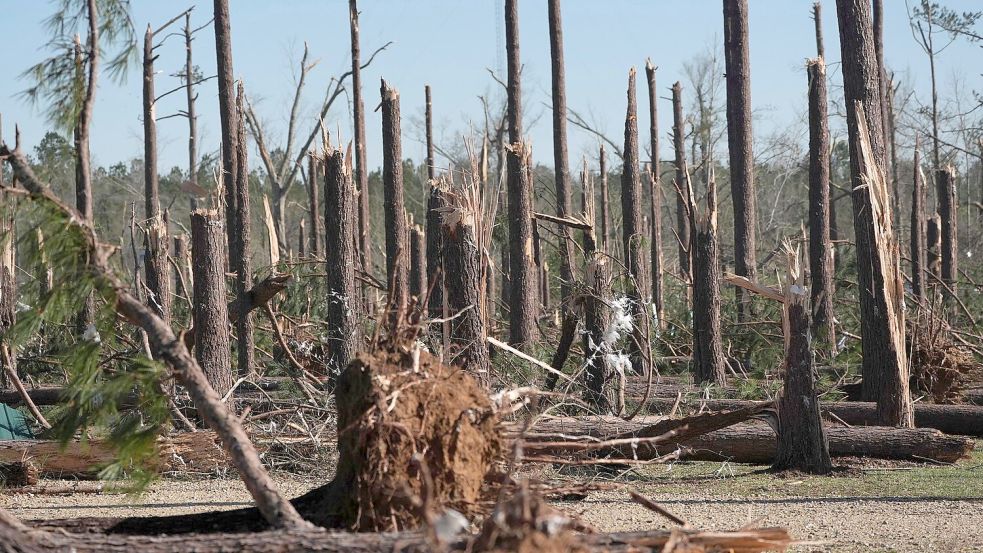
column 966, row 420
column 185, row 452
column 756, row 443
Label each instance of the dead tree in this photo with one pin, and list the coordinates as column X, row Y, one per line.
column 945, row 183
column 340, row 231
column 229, row 117
column 302, row 240
column 189, row 76
column 561, row 165
column 682, row 199
column 933, row 250
column 605, row 222
column 708, row 353
column 655, row 197
column 597, row 307
column 418, row 263
column 211, row 316
column 633, row 233
column 885, row 366
column 431, row 168
column 817, row 17
column 314, row 205
column 522, row 276
column 802, row 444
column 155, row 238
column 83, row 124
column 239, row 252
column 8, row 278
column 462, row 259
column 361, row 168
column 877, row 17
column 740, row 143
column 435, row 274
column 397, row 254
column 918, row 243
column 182, row 286
column 820, row 248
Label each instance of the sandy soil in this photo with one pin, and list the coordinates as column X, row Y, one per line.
column 832, row 524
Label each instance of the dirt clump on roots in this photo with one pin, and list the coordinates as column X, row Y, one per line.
column 415, row 436
column 939, row 366
column 522, row 522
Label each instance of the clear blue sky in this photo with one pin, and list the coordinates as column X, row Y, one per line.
column 449, row 44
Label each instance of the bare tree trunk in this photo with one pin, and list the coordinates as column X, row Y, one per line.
column 435, row 248
column 817, row 17
column 802, row 444
column 561, row 166
column 820, row 248
column 933, row 238
column 877, row 17
column 708, row 353
column 605, row 222
column 740, row 144
column 597, row 308
column 302, row 240
column 892, row 142
column 463, row 262
column 155, row 238
column 8, row 278
column 340, row 228
column 919, row 245
column 397, row 253
column 945, row 183
column 83, row 167
column 317, row 231
column 361, row 168
column 655, row 197
column 211, row 316
column 431, row 167
column 228, row 115
column 189, row 77
column 885, row 366
column 633, row 234
column 239, row 252
column 682, row 198
column 418, row 263
column 522, row 285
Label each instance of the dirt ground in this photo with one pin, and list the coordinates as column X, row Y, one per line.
column 895, row 508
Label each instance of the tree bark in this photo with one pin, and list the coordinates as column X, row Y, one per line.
column 239, row 251
column 435, row 248
column 361, row 165
column 418, row 263
column 431, row 161
column 522, row 285
column 817, row 17
column 633, row 233
column 945, row 182
column 877, row 21
column 820, row 247
column 682, row 198
column 211, row 316
column 918, row 249
column 340, row 228
column 884, row 367
column 83, row 160
column 314, row 204
column 561, row 165
column 228, row 115
column 655, row 197
column 192, row 118
column 933, row 237
column 397, row 252
column 740, row 144
column 155, row 238
column 708, row 353
column 597, row 310
column 605, row 222
column 8, row 278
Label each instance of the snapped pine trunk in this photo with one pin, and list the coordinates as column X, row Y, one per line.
column 918, row 244
column 239, row 248
column 597, row 309
column 418, row 264
column 945, row 182
column 155, row 237
column 397, row 254
column 682, row 197
column 431, row 168
column 564, row 197
column 314, row 205
column 708, row 353
column 820, row 248
column 605, row 200
column 211, row 315
column 361, row 169
column 435, row 273
column 340, row 231
column 655, row 199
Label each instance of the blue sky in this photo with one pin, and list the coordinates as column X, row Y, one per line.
column 450, row 44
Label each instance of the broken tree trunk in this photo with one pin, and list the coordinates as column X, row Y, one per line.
column 945, row 182
column 340, row 228
column 918, row 243
column 361, row 168
column 155, row 238
column 397, row 254
column 682, row 199
column 817, row 17
column 740, row 143
column 655, row 199
column 605, row 211
column 933, row 240
column 708, row 353
column 431, row 167
column 211, row 315
column 597, row 310
column 820, row 248
column 418, row 263
column 314, row 207
column 239, row 252
column 884, row 366
column 189, row 89
column 435, row 275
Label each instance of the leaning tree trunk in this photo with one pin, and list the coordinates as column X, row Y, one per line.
column 740, row 144
column 340, row 230
column 655, row 197
column 885, row 364
column 682, row 198
column 155, row 238
column 361, row 169
column 561, row 166
column 211, row 316
column 802, row 444
column 945, row 182
column 397, row 254
column 522, row 275
column 820, row 248
column 918, row 243
column 239, row 251
column 633, row 234
column 314, row 206
column 708, row 353
column 83, row 159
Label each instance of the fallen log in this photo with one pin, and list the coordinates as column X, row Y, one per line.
column 40, row 396
column 756, row 443
column 184, row 452
column 966, row 420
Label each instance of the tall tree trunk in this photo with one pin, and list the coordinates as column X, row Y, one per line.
column 605, row 222
column 820, row 249
column 228, row 116
column 314, row 204
column 83, row 160
column 418, row 263
column 8, row 274
column 740, row 144
column 189, row 70
column 239, row 251
column 155, row 238
column 561, row 165
column 397, row 253
column 361, row 165
column 945, row 182
column 885, row 366
column 919, row 244
column 682, row 197
column 431, row 167
column 633, row 234
column 655, row 197
column 211, row 316
column 522, row 285
column 597, row 307
column 340, row 229
column 708, row 353
column 877, row 16
column 817, row 17
column 802, row 443
column 435, row 248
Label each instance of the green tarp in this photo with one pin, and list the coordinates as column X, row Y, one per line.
column 13, row 425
